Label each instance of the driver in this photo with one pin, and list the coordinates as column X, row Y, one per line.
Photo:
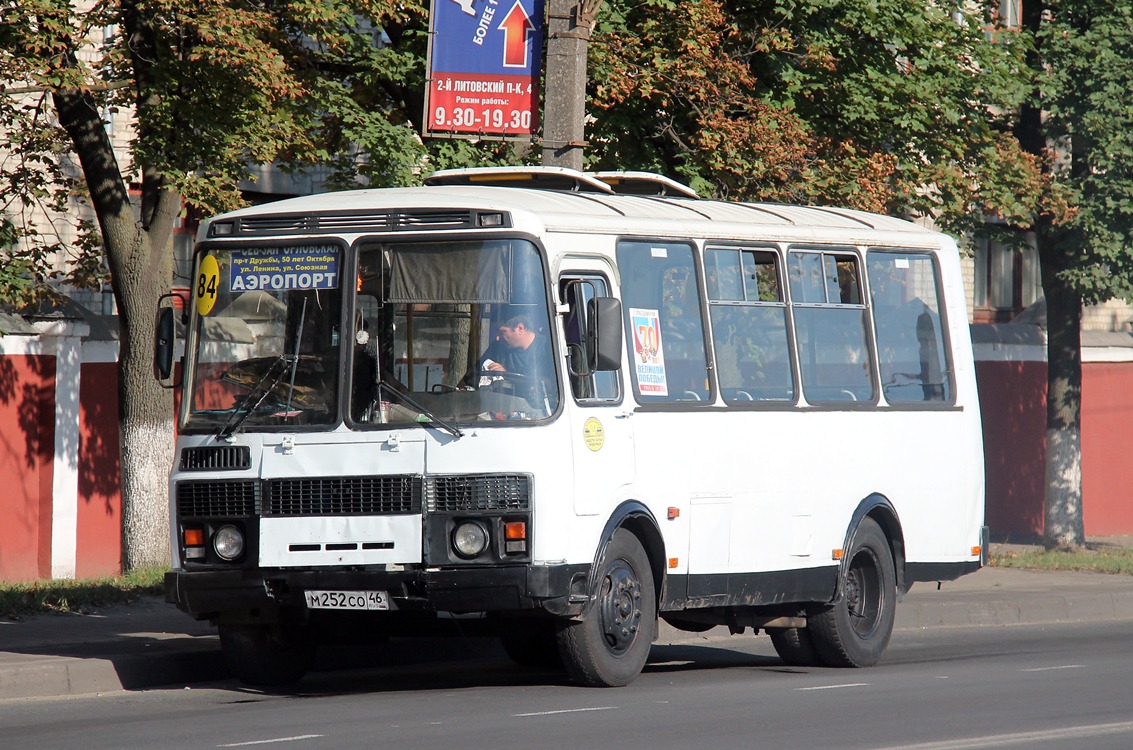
column 519, row 349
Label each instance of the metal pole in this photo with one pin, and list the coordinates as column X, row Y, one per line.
column 569, row 23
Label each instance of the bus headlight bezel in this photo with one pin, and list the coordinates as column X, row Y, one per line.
column 228, row 543
column 470, row 539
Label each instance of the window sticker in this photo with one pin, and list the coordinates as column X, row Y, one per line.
column 649, row 359
column 593, row 434
column 275, row 269
column 208, row 281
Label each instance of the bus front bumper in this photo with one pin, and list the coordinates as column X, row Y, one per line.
column 213, row 593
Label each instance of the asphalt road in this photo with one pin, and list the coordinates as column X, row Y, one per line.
column 1054, row 686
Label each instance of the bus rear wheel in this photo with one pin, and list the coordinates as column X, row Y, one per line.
column 855, row 631
column 269, row 655
column 610, row 645
column 795, row 647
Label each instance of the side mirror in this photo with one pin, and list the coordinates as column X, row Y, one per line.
column 165, row 338
column 163, row 343
column 604, row 334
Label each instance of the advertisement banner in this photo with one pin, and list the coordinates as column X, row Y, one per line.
column 484, row 64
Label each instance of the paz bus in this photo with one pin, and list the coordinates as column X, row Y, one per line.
column 561, row 407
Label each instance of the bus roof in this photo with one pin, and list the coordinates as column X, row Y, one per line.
column 571, row 205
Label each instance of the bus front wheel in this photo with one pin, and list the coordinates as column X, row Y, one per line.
column 609, row 646
column 855, row 631
column 267, row 655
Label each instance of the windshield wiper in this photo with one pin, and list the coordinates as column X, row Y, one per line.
column 244, row 407
column 434, row 419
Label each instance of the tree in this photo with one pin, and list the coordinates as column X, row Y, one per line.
column 213, row 86
column 1079, row 122
column 878, row 104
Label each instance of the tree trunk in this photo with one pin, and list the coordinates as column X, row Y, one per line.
column 141, row 271
column 145, row 414
column 1062, row 506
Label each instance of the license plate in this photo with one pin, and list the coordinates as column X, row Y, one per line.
column 347, row 599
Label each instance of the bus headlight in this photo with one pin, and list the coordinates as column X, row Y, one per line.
column 228, row 542
column 469, row 539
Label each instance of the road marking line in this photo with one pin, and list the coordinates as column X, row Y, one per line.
column 1051, row 669
column 277, row 739
column 834, row 687
column 1021, row 738
column 565, row 711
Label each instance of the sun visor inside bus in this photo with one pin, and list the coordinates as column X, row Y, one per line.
column 448, row 272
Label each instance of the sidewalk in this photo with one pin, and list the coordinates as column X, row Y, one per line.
column 151, row 643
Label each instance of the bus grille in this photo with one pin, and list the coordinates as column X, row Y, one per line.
column 344, row 496
column 352, row 496
column 216, row 458
column 472, row 492
column 217, row 499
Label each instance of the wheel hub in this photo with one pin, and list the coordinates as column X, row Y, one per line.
column 620, row 607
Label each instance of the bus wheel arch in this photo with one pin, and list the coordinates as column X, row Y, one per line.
column 880, row 510
column 638, row 520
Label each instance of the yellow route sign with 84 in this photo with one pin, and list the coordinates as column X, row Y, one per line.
column 208, row 281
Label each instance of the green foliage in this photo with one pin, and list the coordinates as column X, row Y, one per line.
column 1086, row 54
column 880, row 104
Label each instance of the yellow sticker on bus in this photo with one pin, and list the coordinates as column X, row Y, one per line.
column 593, row 434
column 208, row 280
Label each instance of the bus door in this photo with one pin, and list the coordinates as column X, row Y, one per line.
column 601, row 425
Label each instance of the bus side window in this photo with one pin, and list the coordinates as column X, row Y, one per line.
column 830, row 326
column 598, row 386
column 913, row 360
column 749, row 325
column 664, row 325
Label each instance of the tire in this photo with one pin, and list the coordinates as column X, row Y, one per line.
column 267, row 655
column 609, row 646
column 795, row 647
column 532, row 644
column 855, row 631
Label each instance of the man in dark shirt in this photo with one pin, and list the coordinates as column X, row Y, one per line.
column 520, row 349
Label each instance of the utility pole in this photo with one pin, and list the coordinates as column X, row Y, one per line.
column 569, row 23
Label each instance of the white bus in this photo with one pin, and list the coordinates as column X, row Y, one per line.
column 562, row 407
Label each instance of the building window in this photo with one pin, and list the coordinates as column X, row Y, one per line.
column 1006, row 280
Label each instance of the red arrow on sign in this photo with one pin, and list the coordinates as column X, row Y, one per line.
column 516, row 26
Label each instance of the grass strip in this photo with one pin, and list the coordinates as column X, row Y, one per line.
column 1093, row 558
column 39, row 597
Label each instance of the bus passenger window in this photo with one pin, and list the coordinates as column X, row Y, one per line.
column 912, row 358
column 749, row 325
column 664, row 328
column 831, row 327
column 597, row 386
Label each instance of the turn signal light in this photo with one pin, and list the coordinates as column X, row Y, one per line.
column 976, row 550
column 515, row 537
column 837, row 554
column 194, row 537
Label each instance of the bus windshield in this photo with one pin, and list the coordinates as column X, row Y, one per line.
column 267, row 338
column 454, row 331
column 437, row 332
